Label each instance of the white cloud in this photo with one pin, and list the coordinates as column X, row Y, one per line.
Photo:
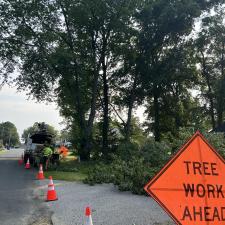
column 15, row 107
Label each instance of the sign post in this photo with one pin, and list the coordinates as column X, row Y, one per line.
column 191, row 186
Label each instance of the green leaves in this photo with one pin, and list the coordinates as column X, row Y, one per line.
column 98, row 59
column 210, row 50
column 8, row 134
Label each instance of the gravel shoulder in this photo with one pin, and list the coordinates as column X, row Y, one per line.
column 109, row 206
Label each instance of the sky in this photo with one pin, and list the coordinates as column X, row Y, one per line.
column 16, row 108
column 23, row 113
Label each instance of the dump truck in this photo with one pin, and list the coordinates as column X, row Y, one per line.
column 35, row 145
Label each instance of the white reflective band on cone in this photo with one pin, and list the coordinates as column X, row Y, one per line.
column 51, row 188
column 50, row 183
column 89, row 221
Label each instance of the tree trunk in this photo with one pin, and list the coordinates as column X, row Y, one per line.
column 210, row 94
column 221, row 91
column 83, row 151
column 156, row 113
column 88, row 131
column 130, row 109
column 105, row 128
column 220, row 110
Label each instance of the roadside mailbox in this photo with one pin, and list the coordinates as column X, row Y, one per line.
column 191, row 186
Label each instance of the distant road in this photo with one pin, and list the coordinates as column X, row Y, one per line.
column 18, row 205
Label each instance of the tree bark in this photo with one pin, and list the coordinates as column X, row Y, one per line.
column 88, row 131
column 220, row 109
column 130, row 109
column 210, row 94
column 86, row 127
column 105, row 128
column 156, row 113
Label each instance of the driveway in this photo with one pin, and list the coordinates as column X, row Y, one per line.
column 109, row 206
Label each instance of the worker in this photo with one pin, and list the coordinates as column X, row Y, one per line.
column 47, row 152
column 63, row 150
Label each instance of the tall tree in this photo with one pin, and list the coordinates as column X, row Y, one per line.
column 55, row 44
column 64, row 49
column 9, row 134
column 163, row 26
column 210, row 52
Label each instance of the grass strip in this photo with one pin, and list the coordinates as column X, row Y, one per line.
column 70, row 170
column 67, row 176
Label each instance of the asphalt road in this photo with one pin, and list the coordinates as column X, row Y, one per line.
column 18, row 203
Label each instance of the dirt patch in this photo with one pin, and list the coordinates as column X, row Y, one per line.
column 42, row 216
column 43, row 221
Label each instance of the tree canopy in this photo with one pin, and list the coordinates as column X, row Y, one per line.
column 8, row 134
column 101, row 59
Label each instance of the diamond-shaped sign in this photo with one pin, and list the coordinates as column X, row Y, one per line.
column 191, row 186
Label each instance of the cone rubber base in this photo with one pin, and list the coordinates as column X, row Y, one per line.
column 51, row 200
column 51, row 196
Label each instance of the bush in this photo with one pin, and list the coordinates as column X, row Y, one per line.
column 99, row 174
column 126, row 150
column 129, row 175
column 133, row 167
column 1, row 145
column 176, row 143
column 217, row 141
column 132, row 175
column 156, row 153
column 136, row 165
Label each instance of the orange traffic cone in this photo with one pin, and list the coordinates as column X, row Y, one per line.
column 27, row 166
column 21, row 160
column 51, row 194
column 40, row 175
column 88, row 215
column 50, row 181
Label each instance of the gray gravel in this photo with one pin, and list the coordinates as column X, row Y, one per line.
column 109, row 206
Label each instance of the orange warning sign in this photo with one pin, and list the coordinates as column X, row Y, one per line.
column 191, row 186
